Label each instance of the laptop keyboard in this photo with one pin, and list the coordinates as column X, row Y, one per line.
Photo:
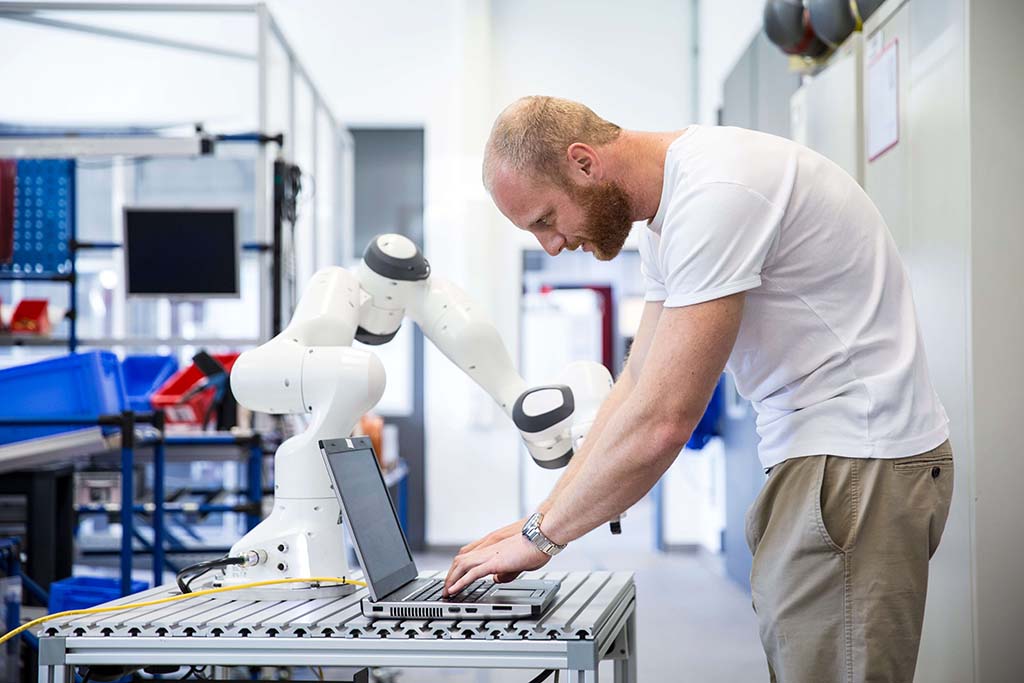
column 471, row 593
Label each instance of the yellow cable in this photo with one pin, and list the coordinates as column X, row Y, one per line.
column 855, row 10
column 172, row 598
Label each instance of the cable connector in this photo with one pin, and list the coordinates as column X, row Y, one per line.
column 254, row 557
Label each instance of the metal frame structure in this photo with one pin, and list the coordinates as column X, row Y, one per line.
column 592, row 619
column 160, row 443
column 125, row 422
column 269, row 36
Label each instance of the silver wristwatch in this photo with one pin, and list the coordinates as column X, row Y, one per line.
column 532, row 532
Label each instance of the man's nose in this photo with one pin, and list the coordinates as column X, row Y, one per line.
column 552, row 243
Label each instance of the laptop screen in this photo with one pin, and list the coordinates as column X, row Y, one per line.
column 373, row 524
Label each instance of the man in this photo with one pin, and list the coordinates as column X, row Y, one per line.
column 764, row 258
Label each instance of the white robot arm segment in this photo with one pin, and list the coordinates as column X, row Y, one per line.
column 397, row 281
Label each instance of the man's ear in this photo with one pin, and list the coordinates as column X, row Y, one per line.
column 584, row 164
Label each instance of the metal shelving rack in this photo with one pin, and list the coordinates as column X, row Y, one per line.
column 70, row 278
column 34, row 147
column 331, row 144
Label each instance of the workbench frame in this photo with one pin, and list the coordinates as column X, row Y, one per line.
column 576, row 645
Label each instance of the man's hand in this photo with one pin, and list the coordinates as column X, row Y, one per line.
column 513, row 529
column 505, row 560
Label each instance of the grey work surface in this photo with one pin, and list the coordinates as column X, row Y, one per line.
column 591, row 618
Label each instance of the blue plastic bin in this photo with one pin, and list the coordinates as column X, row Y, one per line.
column 79, row 592
column 77, row 385
column 143, row 375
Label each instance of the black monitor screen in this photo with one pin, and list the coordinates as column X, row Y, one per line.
column 181, row 252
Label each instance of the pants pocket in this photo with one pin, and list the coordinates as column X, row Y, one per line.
column 941, row 456
column 922, row 462
column 750, row 530
column 836, row 509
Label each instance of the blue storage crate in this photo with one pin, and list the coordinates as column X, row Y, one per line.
column 143, row 375
column 77, row 385
column 80, row 592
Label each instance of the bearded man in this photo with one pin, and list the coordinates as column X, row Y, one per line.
column 763, row 258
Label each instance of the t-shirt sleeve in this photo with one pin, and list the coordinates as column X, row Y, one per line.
column 714, row 242
column 654, row 284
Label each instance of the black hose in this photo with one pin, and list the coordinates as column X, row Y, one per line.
column 194, row 571
column 542, row 676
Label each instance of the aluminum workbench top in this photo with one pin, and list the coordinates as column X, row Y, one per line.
column 592, row 618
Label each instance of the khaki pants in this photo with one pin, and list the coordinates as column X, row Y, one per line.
column 841, row 549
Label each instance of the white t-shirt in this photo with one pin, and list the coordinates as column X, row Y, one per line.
column 829, row 350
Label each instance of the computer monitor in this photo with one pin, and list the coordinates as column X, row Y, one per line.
column 181, row 253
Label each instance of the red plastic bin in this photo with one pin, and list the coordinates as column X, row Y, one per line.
column 169, row 395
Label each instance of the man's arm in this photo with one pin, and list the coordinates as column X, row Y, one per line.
column 687, row 356
column 641, row 439
column 623, row 386
column 620, row 392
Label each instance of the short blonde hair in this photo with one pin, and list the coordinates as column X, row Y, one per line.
column 532, row 134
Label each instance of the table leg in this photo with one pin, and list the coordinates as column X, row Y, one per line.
column 625, row 668
column 583, row 675
column 55, row 673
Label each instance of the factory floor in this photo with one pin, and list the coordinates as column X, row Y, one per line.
column 694, row 624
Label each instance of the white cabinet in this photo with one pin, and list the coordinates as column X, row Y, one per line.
column 826, row 110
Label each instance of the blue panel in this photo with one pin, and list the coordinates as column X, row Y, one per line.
column 44, row 207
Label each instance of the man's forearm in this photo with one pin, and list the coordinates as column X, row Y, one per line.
column 635, row 450
column 617, row 396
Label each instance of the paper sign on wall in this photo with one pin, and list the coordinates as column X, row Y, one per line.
column 883, row 114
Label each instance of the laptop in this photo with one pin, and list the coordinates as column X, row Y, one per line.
column 395, row 590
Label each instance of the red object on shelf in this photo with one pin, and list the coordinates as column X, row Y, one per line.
column 31, row 316
column 8, row 173
column 171, row 393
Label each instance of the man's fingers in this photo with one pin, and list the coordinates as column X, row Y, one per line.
column 505, row 577
column 472, row 575
column 460, row 566
column 454, row 572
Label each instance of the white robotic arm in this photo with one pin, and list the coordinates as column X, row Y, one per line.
column 398, row 283
column 311, row 368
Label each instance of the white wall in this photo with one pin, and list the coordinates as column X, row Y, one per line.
column 629, row 62
column 83, row 78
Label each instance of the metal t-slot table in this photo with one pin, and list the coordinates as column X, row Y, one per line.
column 592, row 618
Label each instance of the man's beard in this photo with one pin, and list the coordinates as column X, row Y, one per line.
column 607, row 218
